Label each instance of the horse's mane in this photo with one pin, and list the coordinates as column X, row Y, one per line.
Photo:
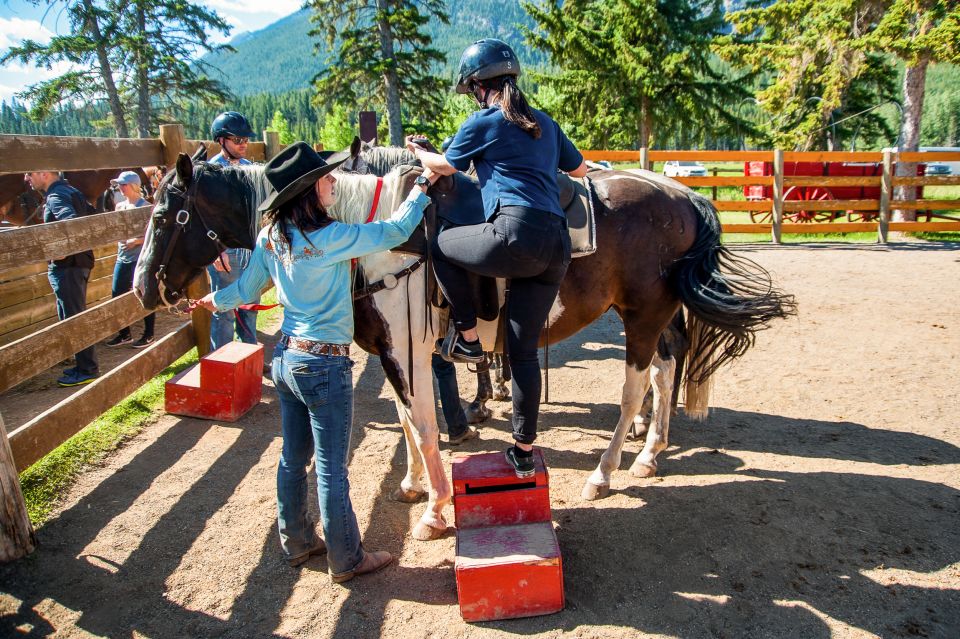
column 382, row 159
column 355, row 196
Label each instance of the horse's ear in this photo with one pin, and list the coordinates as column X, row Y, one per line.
column 355, row 146
column 184, row 169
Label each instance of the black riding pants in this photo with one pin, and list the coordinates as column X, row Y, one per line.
column 531, row 248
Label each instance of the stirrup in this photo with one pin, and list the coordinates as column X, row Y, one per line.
column 449, row 343
column 482, row 367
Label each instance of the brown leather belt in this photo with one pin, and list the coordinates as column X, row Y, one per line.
column 316, row 348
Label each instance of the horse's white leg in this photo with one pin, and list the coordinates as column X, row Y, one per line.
column 426, row 436
column 411, row 490
column 661, row 374
column 634, row 388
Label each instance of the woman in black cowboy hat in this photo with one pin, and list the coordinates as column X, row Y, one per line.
column 307, row 256
column 516, row 151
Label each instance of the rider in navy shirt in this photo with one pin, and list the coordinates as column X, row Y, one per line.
column 516, row 151
column 513, row 167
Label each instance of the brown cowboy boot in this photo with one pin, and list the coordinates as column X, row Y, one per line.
column 371, row 562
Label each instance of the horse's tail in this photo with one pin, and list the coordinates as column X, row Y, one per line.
column 729, row 299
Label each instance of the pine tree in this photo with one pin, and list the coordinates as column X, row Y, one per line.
column 642, row 66
column 282, row 127
column 383, row 58
column 825, row 46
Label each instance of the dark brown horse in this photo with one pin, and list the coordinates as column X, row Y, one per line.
column 659, row 246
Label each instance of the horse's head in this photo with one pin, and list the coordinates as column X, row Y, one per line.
column 198, row 213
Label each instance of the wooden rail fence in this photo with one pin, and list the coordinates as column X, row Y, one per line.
column 778, row 204
column 36, row 341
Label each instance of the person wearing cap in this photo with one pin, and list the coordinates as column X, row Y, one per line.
column 128, row 252
column 516, row 151
column 68, row 276
column 307, row 256
column 232, row 131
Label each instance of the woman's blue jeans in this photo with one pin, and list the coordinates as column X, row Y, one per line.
column 316, row 408
column 222, row 323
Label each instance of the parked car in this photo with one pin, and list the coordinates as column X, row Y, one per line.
column 937, row 168
column 677, row 168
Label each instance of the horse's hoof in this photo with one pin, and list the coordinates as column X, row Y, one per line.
column 477, row 415
column 643, row 470
column 423, row 532
column 407, row 496
column 593, row 492
column 501, row 394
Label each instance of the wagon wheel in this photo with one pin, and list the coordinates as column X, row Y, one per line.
column 862, row 216
column 761, row 217
column 808, row 194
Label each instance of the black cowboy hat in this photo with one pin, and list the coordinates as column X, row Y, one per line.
column 294, row 170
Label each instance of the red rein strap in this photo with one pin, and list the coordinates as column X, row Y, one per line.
column 371, row 215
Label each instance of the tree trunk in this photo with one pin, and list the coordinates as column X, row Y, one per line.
column 106, row 71
column 914, row 82
column 644, row 128
column 391, row 83
column 16, row 533
column 143, row 68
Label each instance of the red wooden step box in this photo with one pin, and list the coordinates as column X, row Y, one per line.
column 223, row 386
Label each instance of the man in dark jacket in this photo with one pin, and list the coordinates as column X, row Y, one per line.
column 68, row 276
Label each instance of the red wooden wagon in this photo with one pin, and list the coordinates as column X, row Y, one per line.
column 819, row 193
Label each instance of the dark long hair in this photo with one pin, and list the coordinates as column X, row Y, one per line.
column 513, row 104
column 305, row 213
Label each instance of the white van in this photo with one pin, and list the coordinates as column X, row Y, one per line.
column 936, row 167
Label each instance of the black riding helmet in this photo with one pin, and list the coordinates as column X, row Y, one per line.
column 231, row 123
column 485, row 59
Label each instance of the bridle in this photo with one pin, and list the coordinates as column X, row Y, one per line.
column 181, row 220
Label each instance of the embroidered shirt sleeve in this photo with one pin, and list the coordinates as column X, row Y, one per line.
column 253, row 280
column 356, row 240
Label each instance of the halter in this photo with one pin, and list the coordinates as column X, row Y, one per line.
column 181, row 220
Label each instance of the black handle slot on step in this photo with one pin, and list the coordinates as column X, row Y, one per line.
column 479, row 490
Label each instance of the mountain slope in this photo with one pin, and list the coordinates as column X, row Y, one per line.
column 281, row 56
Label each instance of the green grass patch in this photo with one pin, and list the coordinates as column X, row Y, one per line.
column 46, row 481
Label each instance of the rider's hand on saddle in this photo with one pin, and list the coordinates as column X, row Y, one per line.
column 413, row 143
column 222, row 263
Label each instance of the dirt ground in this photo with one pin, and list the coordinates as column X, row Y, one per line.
column 820, row 499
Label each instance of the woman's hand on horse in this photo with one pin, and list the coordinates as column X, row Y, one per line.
column 207, row 302
column 414, row 143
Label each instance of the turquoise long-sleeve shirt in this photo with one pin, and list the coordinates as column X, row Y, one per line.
column 313, row 282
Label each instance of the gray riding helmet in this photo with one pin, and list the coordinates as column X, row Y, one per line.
column 485, row 59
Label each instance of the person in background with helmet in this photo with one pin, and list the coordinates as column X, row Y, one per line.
column 232, row 132
column 516, row 151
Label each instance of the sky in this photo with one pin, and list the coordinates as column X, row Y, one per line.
column 20, row 20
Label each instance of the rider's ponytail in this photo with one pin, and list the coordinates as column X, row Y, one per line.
column 514, row 105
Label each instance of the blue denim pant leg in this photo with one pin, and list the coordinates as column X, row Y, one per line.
column 122, row 282
column 316, row 407
column 69, row 284
column 453, row 414
column 223, row 325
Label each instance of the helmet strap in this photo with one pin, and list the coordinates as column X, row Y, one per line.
column 481, row 99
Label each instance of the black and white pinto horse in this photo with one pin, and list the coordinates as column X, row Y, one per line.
column 660, row 247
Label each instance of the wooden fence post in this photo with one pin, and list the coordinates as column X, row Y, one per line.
column 886, row 191
column 16, row 533
column 645, row 158
column 318, row 146
column 271, row 141
column 714, row 171
column 777, row 195
column 174, row 143
column 201, row 317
